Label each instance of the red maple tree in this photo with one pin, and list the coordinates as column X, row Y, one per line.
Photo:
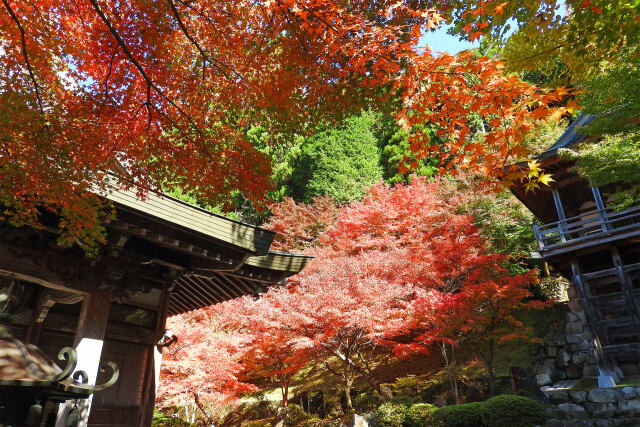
column 399, row 264
column 274, row 351
column 202, row 369
column 408, row 241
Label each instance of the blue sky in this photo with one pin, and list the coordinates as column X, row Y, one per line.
column 440, row 41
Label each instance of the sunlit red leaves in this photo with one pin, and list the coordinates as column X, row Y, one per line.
column 400, row 263
column 406, row 249
column 166, row 87
column 204, row 363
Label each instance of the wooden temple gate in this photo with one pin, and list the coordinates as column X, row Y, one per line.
column 163, row 257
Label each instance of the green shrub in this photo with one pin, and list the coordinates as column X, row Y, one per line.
column 419, row 415
column 366, row 402
column 464, row 415
column 404, row 400
column 410, row 385
column 295, row 415
column 510, row 410
column 391, row 414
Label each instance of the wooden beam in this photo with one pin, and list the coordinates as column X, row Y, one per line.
column 602, row 214
column 560, row 211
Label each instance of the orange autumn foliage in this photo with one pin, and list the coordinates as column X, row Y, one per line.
column 168, row 89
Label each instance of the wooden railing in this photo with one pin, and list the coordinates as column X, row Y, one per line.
column 586, row 226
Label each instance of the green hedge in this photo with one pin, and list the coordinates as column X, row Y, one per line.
column 506, row 410
column 463, row 415
column 420, row 415
column 509, row 410
column 391, row 414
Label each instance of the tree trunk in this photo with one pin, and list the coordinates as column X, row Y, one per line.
column 199, row 405
column 385, row 393
column 347, row 391
column 285, row 394
column 451, row 371
column 490, row 371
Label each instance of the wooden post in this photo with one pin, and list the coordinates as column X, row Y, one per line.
column 152, row 369
column 538, row 236
column 607, row 376
column 627, row 290
column 88, row 342
column 561, row 216
column 602, row 213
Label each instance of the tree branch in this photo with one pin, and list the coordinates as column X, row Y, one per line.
column 23, row 43
column 145, row 76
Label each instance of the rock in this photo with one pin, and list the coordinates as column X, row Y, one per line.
column 572, row 348
column 602, row 395
column 563, row 358
column 555, row 412
column 551, row 351
column 573, row 293
column 574, row 411
column 543, row 379
column 562, row 375
column 555, row 423
column 591, row 358
column 590, row 371
column 547, row 367
column 629, row 369
column 361, row 420
column 557, row 396
column 579, row 358
column 601, row 410
column 575, row 328
column 629, row 407
column 628, row 393
column 573, row 372
column 574, row 305
column 574, row 339
column 578, row 396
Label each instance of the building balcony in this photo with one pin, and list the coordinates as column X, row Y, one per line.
column 588, row 229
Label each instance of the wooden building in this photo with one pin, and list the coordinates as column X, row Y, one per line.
column 595, row 247
column 163, row 257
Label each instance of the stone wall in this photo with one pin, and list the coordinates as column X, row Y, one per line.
column 591, row 407
column 570, row 354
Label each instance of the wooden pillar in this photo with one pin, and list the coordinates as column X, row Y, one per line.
column 607, row 376
column 627, row 290
column 152, row 368
column 562, row 224
column 538, row 236
column 602, row 213
column 88, row 342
